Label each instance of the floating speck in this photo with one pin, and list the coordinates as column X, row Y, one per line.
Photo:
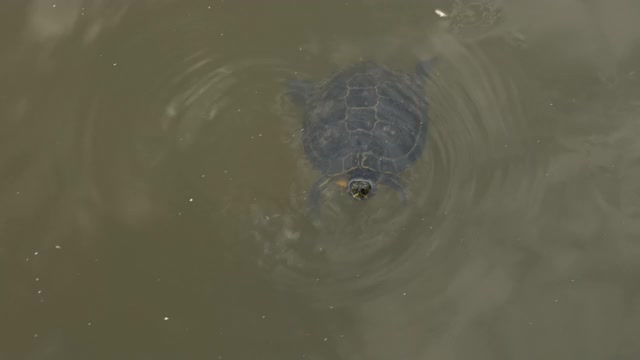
column 58, row 247
column 36, row 335
column 191, row 200
column 89, row 323
column 39, row 291
column 54, row 5
column 203, row 175
column 440, row 13
column 404, row 294
column 35, row 253
column 264, row 316
column 115, row 64
column 325, row 339
column 38, row 279
column 259, row 134
column 166, row 318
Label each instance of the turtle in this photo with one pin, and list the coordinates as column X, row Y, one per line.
column 363, row 126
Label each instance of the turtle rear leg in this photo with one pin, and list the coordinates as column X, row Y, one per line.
column 425, row 67
column 300, row 90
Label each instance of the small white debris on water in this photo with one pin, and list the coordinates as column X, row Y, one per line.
column 404, row 294
column 39, row 291
column 115, row 64
column 17, row 192
column 264, row 316
column 190, row 199
column 325, row 339
column 35, row 335
column 35, row 253
column 58, row 247
column 89, row 323
column 166, row 318
column 54, row 5
column 440, row 13
column 259, row 134
column 38, row 279
column 203, row 175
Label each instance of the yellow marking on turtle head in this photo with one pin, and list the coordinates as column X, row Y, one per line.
column 342, row 182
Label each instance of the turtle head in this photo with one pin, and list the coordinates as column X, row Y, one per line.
column 360, row 189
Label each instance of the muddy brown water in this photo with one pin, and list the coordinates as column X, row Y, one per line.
column 153, row 183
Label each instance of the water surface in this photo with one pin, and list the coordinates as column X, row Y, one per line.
column 153, row 183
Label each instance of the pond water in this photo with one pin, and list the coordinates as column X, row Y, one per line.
column 154, row 185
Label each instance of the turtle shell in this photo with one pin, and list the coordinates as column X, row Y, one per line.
column 366, row 116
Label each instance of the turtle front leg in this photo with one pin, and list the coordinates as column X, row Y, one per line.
column 394, row 182
column 316, row 191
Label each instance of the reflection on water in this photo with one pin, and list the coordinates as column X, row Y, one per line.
column 153, row 183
